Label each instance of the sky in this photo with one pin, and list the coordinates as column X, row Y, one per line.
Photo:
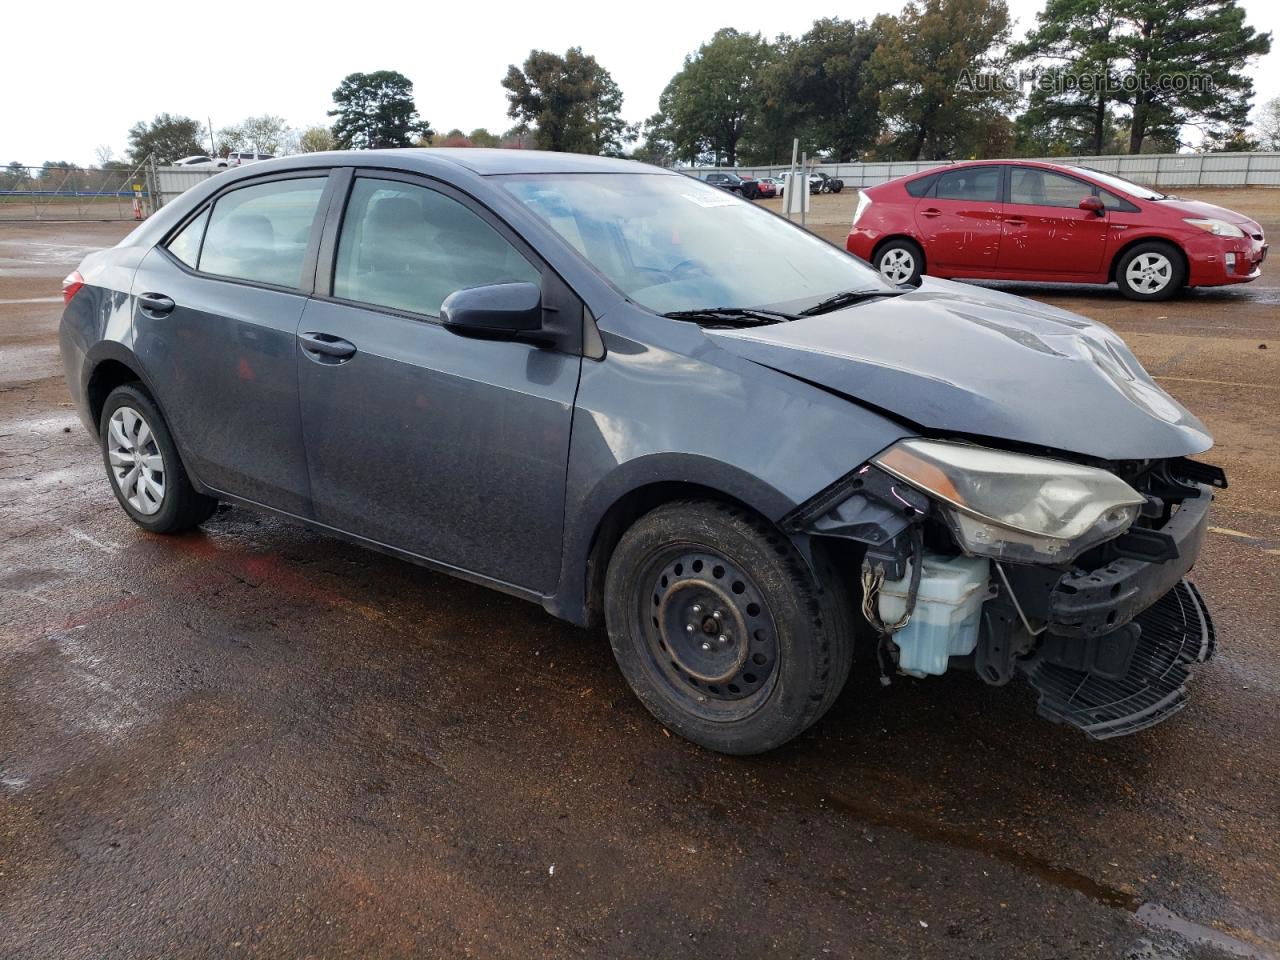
column 64, row 98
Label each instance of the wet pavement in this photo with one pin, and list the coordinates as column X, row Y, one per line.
column 254, row 740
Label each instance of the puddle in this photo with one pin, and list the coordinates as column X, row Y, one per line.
column 1151, row 915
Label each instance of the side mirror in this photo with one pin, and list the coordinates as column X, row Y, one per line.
column 494, row 310
column 1094, row 205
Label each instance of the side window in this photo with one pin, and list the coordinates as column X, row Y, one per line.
column 1045, row 188
column 920, row 186
column 186, row 245
column 409, row 247
column 970, row 183
column 261, row 232
column 1111, row 202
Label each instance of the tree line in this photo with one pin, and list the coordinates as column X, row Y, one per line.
column 943, row 79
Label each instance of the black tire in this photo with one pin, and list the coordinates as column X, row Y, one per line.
column 770, row 648
column 900, row 261
column 1165, row 265
column 180, row 507
column 837, row 186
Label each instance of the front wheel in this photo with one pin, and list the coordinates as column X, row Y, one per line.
column 721, row 630
column 1150, row 271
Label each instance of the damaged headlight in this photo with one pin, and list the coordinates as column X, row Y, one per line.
column 1015, row 507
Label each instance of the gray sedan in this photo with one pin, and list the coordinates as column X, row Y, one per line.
column 561, row 376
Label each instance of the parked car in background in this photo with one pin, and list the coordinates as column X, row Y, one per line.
column 754, row 189
column 1026, row 220
column 779, row 184
column 201, row 162
column 237, row 159
column 725, row 181
column 828, row 183
column 575, row 379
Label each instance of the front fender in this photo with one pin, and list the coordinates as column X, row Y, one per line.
column 667, row 406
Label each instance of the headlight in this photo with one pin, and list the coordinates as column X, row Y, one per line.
column 1219, row 228
column 1016, row 507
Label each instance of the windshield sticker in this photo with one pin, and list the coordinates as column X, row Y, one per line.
column 711, row 201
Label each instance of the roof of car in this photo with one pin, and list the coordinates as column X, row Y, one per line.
column 486, row 161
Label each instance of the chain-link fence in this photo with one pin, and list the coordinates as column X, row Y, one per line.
column 60, row 191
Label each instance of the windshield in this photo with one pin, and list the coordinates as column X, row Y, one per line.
column 672, row 243
column 1121, row 184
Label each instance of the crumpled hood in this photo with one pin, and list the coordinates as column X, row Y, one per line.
column 957, row 358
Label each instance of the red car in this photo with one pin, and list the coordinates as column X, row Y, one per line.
column 1023, row 220
column 753, row 189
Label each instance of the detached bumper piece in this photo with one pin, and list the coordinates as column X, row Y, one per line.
column 1113, row 698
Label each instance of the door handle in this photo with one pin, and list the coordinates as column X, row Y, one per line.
column 156, row 303
column 931, row 212
column 327, row 348
column 1015, row 221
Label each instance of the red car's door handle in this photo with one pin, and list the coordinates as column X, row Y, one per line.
column 931, row 212
column 1016, row 221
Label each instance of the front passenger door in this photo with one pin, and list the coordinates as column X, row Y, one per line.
column 1045, row 231
column 443, row 446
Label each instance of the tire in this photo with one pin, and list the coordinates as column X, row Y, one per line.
column 837, row 186
column 900, row 261
column 159, row 496
column 721, row 630
column 1151, row 271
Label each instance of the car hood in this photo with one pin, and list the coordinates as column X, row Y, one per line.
column 1205, row 211
column 957, row 358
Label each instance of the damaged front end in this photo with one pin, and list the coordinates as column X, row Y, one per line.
column 1071, row 574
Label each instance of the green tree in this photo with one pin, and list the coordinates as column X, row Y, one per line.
column 1072, row 45
column 315, row 140
column 264, row 134
column 822, row 83
column 919, row 68
column 1200, row 47
column 376, row 111
column 570, row 103
column 167, row 138
column 481, row 137
column 708, row 106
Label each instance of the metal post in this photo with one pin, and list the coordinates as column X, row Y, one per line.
column 804, row 175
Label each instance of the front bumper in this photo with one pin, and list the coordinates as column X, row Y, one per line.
column 1084, row 603
column 1217, row 261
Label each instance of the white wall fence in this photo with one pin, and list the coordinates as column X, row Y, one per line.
column 1150, row 169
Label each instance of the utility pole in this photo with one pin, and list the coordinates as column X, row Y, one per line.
column 213, row 147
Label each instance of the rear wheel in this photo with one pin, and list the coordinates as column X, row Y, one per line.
column 719, row 628
column 900, row 262
column 143, row 466
column 1150, row 271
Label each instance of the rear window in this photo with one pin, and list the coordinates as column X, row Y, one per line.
column 186, row 245
column 260, row 233
column 981, row 184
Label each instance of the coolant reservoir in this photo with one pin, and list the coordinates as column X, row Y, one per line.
column 945, row 620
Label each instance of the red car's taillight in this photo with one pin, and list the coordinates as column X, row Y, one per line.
column 71, row 286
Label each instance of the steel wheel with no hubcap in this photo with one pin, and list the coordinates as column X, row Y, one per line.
column 1149, row 272
column 709, row 633
column 137, row 466
column 897, row 265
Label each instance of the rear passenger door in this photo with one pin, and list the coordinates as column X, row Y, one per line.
column 215, row 319
column 959, row 220
column 444, row 446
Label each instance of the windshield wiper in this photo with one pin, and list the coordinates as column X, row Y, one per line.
column 736, row 316
column 847, row 299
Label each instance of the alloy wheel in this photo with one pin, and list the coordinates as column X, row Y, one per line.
column 1149, row 272
column 897, row 265
column 137, row 466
